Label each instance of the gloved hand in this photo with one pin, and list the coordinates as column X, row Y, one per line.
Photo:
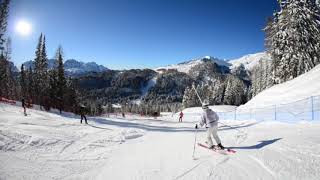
column 196, row 126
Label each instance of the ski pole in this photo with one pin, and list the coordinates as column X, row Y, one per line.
column 196, row 93
column 195, row 140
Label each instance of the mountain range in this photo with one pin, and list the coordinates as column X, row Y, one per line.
column 248, row 61
column 72, row 67
column 75, row 68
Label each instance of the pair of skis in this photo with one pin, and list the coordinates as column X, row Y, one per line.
column 225, row 151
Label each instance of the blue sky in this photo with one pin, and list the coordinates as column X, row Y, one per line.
column 141, row 33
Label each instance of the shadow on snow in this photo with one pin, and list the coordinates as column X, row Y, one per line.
column 260, row 145
column 157, row 128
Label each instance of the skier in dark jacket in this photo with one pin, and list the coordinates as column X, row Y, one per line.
column 23, row 104
column 82, row 114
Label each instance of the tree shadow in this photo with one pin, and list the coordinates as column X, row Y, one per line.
column 146, row 127
column 99, row 127
column 158, row 128
column 225, row 128
column 260, row 145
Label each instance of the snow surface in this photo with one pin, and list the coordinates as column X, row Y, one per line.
column 302, row 87
column 250, row 61
column 49, row 146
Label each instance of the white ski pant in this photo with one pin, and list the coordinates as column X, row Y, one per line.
column 213, row 131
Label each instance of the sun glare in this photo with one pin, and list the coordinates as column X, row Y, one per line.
column 23, row 28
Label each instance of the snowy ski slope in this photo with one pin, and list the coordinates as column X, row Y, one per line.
column 49, row 146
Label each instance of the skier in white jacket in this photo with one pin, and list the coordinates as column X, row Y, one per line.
column 210, row 119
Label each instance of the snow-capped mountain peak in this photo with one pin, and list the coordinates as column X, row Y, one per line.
column 187, row 65
column 250, row 61
column 73, row 67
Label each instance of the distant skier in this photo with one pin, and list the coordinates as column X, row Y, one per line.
column 82, row 114
column 210, row 119
column 180, row 116
column 23, row 104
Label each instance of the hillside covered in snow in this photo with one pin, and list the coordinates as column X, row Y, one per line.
column 250, row 61
column 304, row 86
column 186, row 66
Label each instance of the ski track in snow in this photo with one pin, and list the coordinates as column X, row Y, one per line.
column 262, row 165
column 49, row 146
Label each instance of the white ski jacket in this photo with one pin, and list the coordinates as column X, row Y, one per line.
column 209, row 118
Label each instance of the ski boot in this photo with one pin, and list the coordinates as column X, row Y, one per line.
column 220, row 146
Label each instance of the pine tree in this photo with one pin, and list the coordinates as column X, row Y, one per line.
column 31, row 85
column 4, row 11
column 228, row 96
column 37, row 70
column 235, row 91
column 4, row 64
column 186, row 99
column 295, row 39
column 70, row 97
column 61, row 81
column 7, row 82
column 41, row 74
column 53, row 88
column 23, row 84
column 3, row 76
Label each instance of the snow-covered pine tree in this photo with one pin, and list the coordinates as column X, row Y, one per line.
column 239, row 92
column 254, row 81
column 235, row 91
column 44, row 63
column 295, row 41
column 4, row 64
column 268, row 75
column 61, row 80
column 40, row 73
column 186, row 98
column 70, row 96
column 228, row 96
column 7, row 81
column 37, row 70
column 219, row 92
column 4, row 11
column 53, row 87
column 190, row 98
column 261, row 71
column 30, row 85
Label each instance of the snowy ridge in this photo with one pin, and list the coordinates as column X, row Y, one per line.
column 186, row 66
column 250, row 61
column 304, row 86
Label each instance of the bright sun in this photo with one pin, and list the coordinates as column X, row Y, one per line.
column 23, row 28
